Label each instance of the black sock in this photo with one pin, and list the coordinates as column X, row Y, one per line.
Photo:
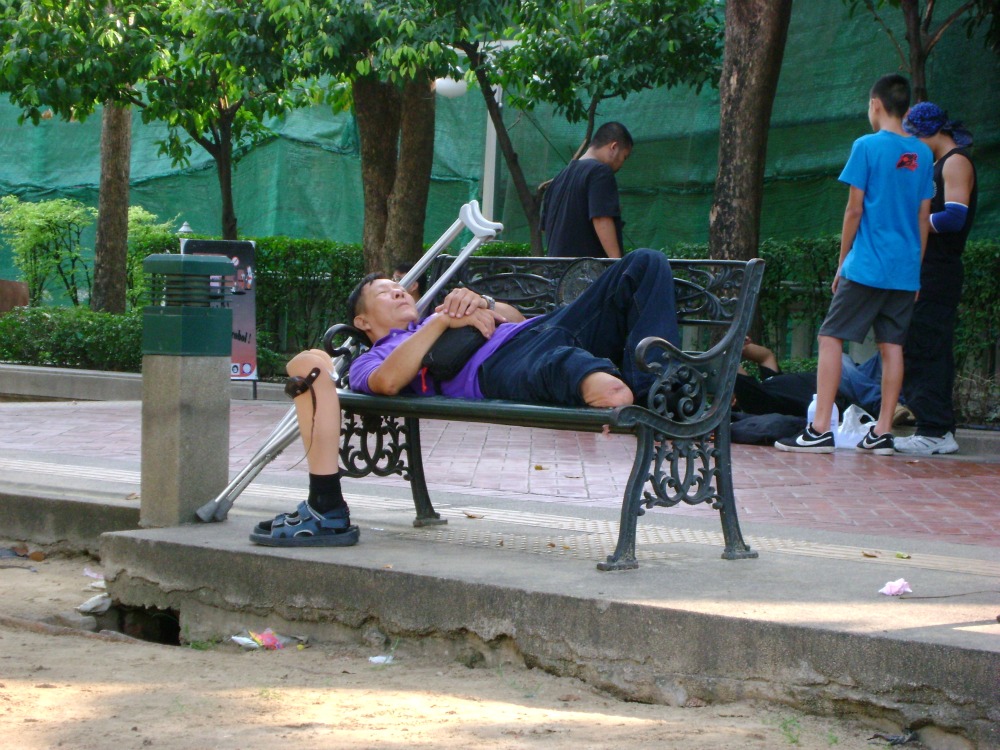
column 324, row 492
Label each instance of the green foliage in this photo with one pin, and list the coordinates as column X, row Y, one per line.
column 796, row 286
column 145, row 237
column 302, row 286
column 978, row 329
column 797, row 283
column 574, row 55
column 71, row 55
column 505, row 250
column 796, row 289
column 45, row 240
column 211, row 71
column 72, row 337
column 221, row 68
column 791, row 730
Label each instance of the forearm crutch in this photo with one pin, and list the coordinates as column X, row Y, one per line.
column 287, row 430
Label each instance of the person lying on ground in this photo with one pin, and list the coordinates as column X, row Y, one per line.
column 579, row 355
column 776, row 392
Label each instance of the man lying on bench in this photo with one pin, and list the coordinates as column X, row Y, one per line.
column 579, row 355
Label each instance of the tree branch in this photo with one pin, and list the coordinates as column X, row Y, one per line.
column 925, row 24
column 936, row 36
column 885, row 27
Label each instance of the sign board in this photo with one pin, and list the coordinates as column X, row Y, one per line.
column 242, row 300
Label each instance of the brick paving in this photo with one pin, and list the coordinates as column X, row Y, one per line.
column 940, row 499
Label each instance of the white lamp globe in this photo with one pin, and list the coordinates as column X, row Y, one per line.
column 450, row 88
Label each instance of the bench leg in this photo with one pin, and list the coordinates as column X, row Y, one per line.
column 624, row 556
column 426, row 515
column 736, row 548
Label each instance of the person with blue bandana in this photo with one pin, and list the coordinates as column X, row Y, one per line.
column 928, row 352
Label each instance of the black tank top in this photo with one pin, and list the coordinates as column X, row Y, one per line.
column 941, row 274
column 952, row 242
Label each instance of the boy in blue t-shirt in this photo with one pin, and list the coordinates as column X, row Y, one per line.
column 885, row 233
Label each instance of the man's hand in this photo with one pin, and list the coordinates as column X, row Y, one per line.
column 461, row 302
column 485, row 320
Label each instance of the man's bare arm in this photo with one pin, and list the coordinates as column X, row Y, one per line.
column 402, row 365
column 959, row 180
column 925, row 226
column 608, row 235
column 852, row 220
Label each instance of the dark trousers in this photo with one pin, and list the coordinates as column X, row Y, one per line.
column 929, row 366
column 597, row 332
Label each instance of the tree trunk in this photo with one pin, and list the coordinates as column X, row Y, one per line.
column 407, row 205
column 755, row 44
column 111, row 245
column 917, row 51
column 529, row 202
column 224, row 167
column 377, row 108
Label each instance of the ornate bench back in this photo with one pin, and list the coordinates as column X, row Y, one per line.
column 706, row 290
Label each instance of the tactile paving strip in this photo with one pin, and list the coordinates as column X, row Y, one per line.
column 586, row 539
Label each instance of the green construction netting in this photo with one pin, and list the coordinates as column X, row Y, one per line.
column 306, row 180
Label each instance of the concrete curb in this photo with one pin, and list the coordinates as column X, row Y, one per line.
column 25, row 381
column 64, row 521
column 483, row 608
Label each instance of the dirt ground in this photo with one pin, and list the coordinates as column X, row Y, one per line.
column 86, row 691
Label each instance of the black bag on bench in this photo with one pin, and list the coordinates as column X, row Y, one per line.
column 451, row 351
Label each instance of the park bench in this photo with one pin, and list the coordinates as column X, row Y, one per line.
column 682, row 431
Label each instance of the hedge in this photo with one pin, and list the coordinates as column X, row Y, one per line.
column 302, row 285
column 72, row 337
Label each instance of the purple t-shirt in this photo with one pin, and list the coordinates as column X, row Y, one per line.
column 463, row 385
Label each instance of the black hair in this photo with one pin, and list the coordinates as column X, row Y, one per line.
column 610, row 132
column 893, row 91
column 404, row 268
column 354, row 298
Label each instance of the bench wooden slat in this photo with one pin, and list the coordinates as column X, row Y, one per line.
column 489, row 410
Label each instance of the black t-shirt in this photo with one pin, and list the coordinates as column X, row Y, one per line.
column 584, row 190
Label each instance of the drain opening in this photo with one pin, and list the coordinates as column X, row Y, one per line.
column 143, row 623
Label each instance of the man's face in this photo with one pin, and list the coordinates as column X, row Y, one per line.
column 874, row 106
column 619, row 156
column 385, row 305
column 413, row 288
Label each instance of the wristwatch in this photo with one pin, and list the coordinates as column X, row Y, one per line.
column 490, row 302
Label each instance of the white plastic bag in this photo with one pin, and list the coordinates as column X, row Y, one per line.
column 853, row 427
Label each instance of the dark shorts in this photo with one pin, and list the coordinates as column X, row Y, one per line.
column 857, row 308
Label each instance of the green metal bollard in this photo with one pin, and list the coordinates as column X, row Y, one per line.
column 186, row 347
column 185, row 318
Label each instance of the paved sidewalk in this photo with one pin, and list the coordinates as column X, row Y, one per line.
column 941, row 499
column 512, row 574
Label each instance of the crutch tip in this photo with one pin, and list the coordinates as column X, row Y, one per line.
column 206, row 512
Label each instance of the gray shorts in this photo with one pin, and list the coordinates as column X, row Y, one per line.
column 856, row 308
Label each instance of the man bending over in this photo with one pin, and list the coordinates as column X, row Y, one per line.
column 579, row 355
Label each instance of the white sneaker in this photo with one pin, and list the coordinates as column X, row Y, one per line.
column 921, row 445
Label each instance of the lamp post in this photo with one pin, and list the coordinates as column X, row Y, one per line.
column 450, row 89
